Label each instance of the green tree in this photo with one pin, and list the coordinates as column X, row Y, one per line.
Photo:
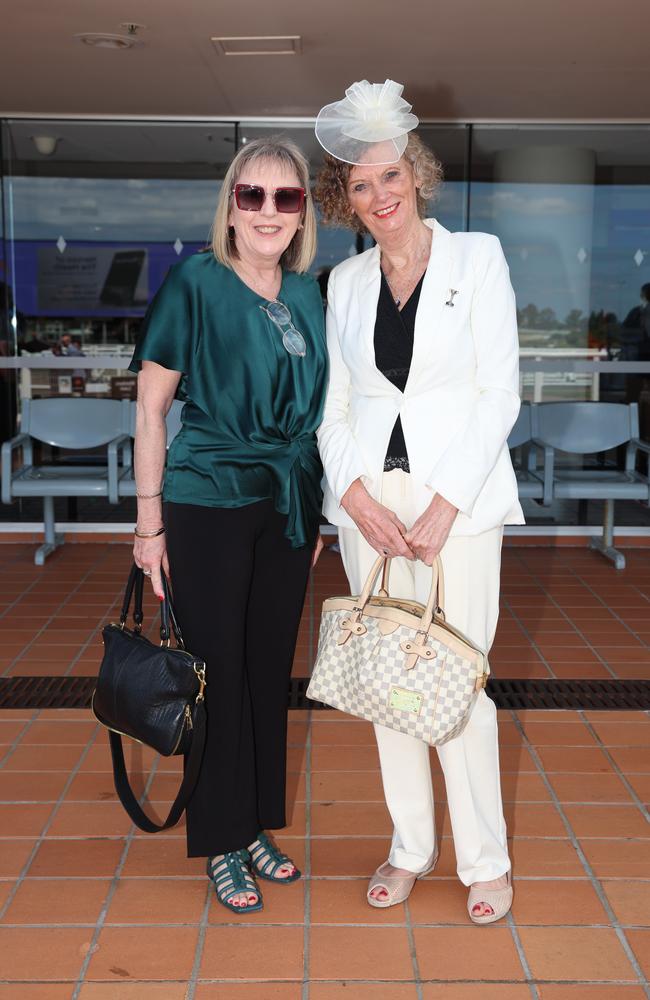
column 530, row 316
column 575, row 320
column 547, row 320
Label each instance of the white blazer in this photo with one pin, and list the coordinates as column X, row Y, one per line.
column 462, row 394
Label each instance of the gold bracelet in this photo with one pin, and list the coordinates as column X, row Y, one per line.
column 148, row 496
column 149, row 534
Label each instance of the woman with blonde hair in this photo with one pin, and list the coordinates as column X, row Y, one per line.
column 238, row 333
column 423, row 391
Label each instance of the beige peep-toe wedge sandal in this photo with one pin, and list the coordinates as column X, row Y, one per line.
column 499, row 899
column 398, row 887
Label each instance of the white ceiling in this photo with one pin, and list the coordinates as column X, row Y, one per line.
column 460, row 60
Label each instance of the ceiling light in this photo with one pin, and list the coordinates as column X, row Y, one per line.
column 258, row 45
column 45, row 144
column 106, row 40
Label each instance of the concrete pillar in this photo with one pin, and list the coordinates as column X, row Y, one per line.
column 543, row 204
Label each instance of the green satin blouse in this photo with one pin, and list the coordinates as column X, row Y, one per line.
column 251, row 409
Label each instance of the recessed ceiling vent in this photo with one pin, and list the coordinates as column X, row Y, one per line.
column 258, row 45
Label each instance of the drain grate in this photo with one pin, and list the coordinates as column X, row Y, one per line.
column 46, row 692
column 594, row 695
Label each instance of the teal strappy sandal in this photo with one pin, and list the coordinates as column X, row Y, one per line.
column 230, row 876
column 266, row 859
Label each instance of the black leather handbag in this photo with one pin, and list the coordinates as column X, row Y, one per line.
column 154, row 694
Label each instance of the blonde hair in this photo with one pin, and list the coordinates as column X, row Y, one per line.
column 301, row 251
column 331, row 190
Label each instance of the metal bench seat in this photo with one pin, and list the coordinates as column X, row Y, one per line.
column 586, row 429
column 73, row 424
column 589, row 484
column 60, row 481
column 530, row 479
column 529, row 487
column 540, row 433
column 122, row 476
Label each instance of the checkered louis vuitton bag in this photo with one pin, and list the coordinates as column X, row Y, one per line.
column 396, row 662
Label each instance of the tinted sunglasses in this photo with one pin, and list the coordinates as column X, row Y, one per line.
column 251, row 198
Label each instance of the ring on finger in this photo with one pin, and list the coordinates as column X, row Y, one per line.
column 147, row 572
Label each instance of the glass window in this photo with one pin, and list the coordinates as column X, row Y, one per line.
column 571, row 206
column 451, row 146
column 94, row 213
column 95, row 224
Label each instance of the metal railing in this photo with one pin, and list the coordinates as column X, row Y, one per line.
column 538, row 363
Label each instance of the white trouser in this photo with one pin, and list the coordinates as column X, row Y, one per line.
column 470, row 763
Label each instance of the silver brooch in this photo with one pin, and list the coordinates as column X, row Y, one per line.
column 452, row 293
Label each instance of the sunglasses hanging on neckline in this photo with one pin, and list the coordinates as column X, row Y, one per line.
column 251, row 198
column 292, row 339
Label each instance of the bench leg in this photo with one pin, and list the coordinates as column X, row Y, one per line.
column 605, row 545
column 52, row 539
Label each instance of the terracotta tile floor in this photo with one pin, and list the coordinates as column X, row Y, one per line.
column 92, row 909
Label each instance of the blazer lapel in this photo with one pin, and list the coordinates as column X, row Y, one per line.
column 434, row 294
column 368, row 291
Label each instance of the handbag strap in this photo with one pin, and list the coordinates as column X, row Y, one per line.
column 168, row 619
column 128, row 593
column 436, row 599
column 190, row 777
column 168, row 615
column 138, row 614
column 436, row 595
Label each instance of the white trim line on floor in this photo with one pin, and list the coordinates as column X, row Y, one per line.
column 524, row 530
column 551, row 530
column 67, row 528
column 576, row 530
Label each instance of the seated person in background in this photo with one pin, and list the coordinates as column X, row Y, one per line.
column 34, row 344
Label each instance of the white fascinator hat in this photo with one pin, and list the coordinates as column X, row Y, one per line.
column 369, row 125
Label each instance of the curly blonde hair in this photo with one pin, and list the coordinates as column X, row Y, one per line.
column 331, row 190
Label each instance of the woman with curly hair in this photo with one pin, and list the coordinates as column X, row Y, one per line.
column 422, row 338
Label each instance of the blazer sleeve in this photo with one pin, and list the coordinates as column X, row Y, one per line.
column 460, row 473
column 339, row 451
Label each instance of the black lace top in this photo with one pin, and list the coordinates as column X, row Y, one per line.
column 394, row 331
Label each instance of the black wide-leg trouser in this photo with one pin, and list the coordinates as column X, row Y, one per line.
column 239, row 589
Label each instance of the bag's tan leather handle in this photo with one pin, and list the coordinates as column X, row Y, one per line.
column 436, row 595
column 414, row 648
column 437, row 588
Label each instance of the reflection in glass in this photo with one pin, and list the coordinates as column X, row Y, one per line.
column 572, row 209
column 91, row 230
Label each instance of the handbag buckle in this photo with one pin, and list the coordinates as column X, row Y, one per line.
column 415, row 649
column 199, row 670
column 350, row 625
